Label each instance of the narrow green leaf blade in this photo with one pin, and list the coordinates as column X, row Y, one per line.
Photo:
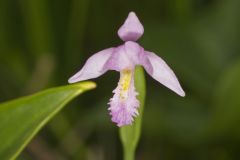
column 22, row 118
column 130, row 134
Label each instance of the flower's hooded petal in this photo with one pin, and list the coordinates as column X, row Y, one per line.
column 134, row 51
column 126, row 56
column 163, row 73
column 132, row 29
column 119, row 60
column 93, row 67
column 124, row 104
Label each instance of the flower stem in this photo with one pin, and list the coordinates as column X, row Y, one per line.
column 130, row 134
column 128, row 154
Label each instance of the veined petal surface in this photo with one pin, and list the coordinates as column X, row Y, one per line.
column 163, row 73
column 94, row 67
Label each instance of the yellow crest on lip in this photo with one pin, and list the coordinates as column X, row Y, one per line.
column 125, row 80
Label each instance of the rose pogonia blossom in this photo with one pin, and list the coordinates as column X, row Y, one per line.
column 124, row 58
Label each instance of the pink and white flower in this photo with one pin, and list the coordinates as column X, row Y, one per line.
column 124, row 58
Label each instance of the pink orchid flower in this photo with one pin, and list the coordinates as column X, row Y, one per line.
column 124, row 58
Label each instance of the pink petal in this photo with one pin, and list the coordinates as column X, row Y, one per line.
column 127, row 56
column 132, row 29
column 93, row 67
column 134, row 51
column 119, row 60
column 163, row 73
column 123, row 106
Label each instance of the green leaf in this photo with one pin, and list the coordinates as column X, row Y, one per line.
column 22, row 118
column 130, row 134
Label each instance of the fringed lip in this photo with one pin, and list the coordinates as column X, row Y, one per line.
column 124, row 103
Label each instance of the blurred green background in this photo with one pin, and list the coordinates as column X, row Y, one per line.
column 44, row 42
